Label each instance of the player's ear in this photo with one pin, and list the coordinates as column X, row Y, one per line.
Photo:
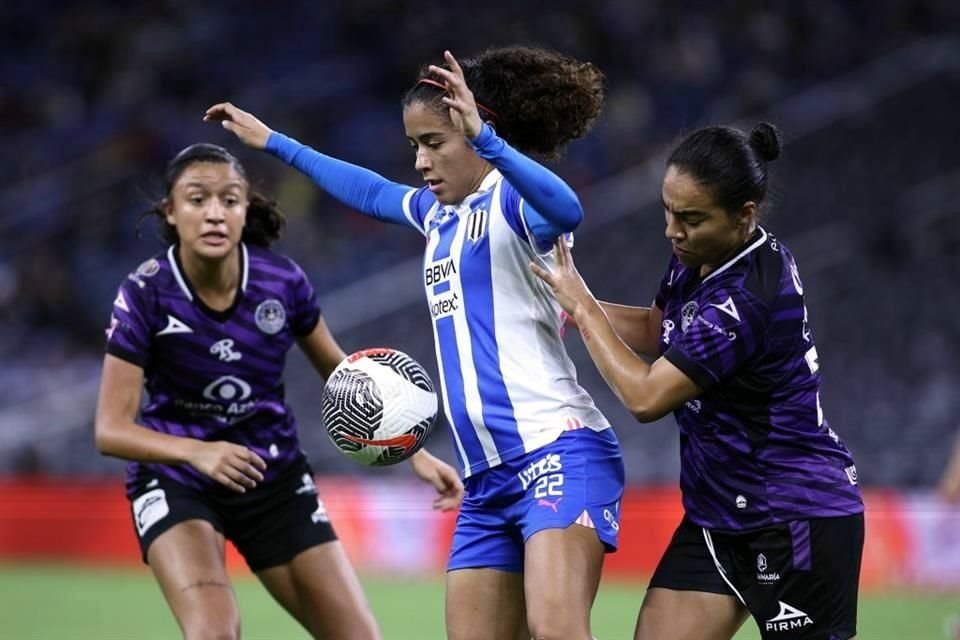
column 747, row 214
column 166, row 206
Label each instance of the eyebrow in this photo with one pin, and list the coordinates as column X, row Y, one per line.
column 427, row 136
column 685, row 213
column 203, row 185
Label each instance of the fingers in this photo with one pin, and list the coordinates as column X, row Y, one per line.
column 449, row 500
column 542, row 273
column 562, row 251
column 219, row 111
column 454, row 65
column 224, row 478
column 256, row 460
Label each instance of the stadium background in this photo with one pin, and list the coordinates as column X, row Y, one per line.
column 97, row 96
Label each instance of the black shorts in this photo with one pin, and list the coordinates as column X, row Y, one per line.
column 799, row 580
column 269, row 525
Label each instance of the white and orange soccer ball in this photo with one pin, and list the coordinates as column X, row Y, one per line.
column 379, row 406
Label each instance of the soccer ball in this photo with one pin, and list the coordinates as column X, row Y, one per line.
column 379, row 406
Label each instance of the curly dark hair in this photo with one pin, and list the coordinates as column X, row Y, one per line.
column 265, row 221
column 537, row 99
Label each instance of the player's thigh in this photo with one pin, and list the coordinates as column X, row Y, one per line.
column 320, row 589
column 188, row 562
column 561, row 576
column 690, row 597
column 667, row 614
column 485, row 603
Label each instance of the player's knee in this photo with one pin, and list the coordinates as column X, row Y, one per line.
column 212, row 630
column 559, row 627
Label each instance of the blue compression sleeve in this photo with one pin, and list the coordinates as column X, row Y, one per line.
column 553, row 207
column 368, row 192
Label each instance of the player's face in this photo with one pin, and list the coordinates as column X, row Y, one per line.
column 451, row 169
column 208, row 206
column 702, row 233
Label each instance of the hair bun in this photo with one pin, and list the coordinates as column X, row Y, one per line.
column 766, row 141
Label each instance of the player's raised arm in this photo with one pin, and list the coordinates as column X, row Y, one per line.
column 361, row 189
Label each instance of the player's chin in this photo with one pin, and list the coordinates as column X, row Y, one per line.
column 213, row 248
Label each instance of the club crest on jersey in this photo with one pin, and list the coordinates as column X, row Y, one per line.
column 476, row 224
column 687, row 313
column 270, row 316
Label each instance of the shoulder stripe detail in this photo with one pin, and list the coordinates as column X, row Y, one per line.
column 405, row 206
column 176, row 273
column 245, row 267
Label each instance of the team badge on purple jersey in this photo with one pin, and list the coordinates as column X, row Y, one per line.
column 755, row 447
column 215, row 375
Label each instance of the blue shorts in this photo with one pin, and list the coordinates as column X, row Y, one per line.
column 576, row 479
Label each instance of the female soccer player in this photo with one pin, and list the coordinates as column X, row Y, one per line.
column 206, row 326
column 774, row 518
column 544, row 476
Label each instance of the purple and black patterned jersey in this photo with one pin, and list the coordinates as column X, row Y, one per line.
column 215, row 375
column 755, row 449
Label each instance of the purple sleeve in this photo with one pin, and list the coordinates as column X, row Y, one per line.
column 726, row 331
column 306, row 310
column 129, row 335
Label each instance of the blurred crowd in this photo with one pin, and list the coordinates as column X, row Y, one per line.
column 92, row 110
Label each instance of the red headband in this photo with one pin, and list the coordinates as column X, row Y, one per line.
column 434, row 83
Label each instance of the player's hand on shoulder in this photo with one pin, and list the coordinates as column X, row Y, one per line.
column 251, row 131
column 232, row 465
column 442, row 476
column 565, row 281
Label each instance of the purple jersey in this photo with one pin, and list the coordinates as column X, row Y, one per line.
column 755, row 449
column 215, row 375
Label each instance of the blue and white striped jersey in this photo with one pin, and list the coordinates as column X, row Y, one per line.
column 508, row 385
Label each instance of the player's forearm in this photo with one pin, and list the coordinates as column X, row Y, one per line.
column 359, row 188
column 541, row 188
column 130, row 441
column 632, row 325
column 623, row 370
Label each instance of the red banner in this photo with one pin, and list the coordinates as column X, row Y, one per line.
column 912, row 538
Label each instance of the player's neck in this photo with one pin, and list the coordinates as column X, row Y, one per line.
column 707, row 269
column 215, row 281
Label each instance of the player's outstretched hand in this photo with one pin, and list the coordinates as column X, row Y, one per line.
column 442, row 476
column 232, row 465
column 568, row 287
column 463, row 106
column 245, row 126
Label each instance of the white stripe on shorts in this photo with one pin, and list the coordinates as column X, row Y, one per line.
column 723, row 574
